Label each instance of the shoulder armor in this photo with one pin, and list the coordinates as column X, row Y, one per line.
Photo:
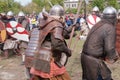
column 58, row 31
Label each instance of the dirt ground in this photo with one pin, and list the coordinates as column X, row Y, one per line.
column 11, row 68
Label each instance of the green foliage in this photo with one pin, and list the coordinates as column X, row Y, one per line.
column 16, row 7
column 3, row 6
column 38, row 5
column 113, row 3
column 47, row 3
column 99, row 4
column 60, row 2
column 71, row 11
column 6, row 5
column 32, row 7
column 42, row 3
column 104, row 3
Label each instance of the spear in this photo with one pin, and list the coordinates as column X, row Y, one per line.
column 73, row 26
column 50, row 3
column 77, row 39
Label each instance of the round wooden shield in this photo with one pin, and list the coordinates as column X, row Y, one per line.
column 2, row 32
column 16, row 31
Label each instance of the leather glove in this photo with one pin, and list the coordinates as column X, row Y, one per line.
column 69, row 53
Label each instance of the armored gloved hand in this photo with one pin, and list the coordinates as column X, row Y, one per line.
column 111, row 61
column 69, row 53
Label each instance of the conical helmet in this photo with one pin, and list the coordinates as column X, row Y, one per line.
column 109, row 12
column 57, row 10
column 9, row 13
column 95, row 9
column 21, row 13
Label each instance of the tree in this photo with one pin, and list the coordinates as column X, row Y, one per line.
column 113, row 3
column 16, row 7
column 7, row 5
column 42, row 4
column 47, row 3
column 30, row 8
column 71, row 11
column 99, row 4
column 3, row 6
column 104, row 3
column 60, row 2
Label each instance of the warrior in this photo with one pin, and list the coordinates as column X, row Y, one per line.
column 45, row 63
column 23, row 20
column 93, row 18
column 3, row 17
column 84, row 29
column 3, row 34
column 99, row 48
column 25, row 24
column 95, row 11
column 6, row 19
column 29, row 52
column 10, row 16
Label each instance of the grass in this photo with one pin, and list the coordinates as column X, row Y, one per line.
column 74, row 65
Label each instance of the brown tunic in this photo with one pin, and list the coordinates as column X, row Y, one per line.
column 47, row 27
column 100, row 44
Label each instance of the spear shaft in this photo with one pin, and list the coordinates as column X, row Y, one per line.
column 73, row 26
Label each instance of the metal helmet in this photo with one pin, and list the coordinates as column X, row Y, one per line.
column 57, row 10
column 109, row 13
column 9, row 13
column 21, row 13
column 95, row 9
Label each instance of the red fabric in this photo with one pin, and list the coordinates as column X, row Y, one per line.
column 9, row 26
column 118, row 37
column 94, row 17
column 55, row 70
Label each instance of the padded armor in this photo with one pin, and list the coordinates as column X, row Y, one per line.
column 32, row 45
column 57, row 33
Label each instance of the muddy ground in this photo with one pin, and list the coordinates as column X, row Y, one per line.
column 11, row 68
